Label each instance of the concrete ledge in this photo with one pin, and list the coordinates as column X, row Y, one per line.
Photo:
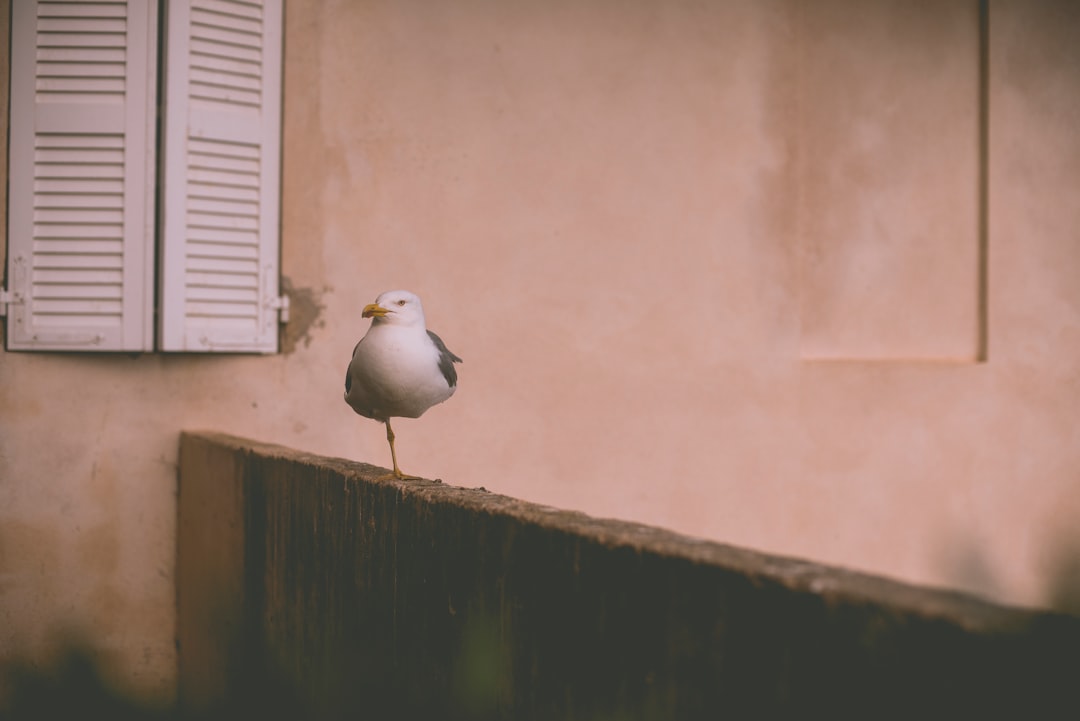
column 387, row 599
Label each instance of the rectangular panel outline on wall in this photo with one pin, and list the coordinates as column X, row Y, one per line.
column 980, row 139
column 982, row 350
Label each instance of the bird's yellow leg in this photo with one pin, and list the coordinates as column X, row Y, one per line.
column 393, row 456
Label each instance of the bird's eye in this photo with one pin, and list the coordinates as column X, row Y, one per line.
column 401, row 302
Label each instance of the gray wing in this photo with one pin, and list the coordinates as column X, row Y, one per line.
column 446, row 360
column 348, row 375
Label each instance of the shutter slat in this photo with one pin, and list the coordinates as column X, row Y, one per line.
column 47, row 217
column 219, row 241
column 214, row 313
column 98, row 186
column 218, row 264
column 63, row 26
column 245, row 194
column 69, row 55
column 70, row 261
column 53, row 291
column 80, row 202
column 78, row 35
column 206, row 222
column 96, row 172
column 109, row 312
column 80, row 276
column 222, row 279
column 64, row 69
column 82, row 10
column 79, row 240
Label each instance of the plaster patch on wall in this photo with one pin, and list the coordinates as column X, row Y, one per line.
column 305, row 312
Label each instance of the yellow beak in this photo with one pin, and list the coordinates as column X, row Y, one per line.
column 373, row 310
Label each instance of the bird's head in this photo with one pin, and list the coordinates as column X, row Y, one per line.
column 397, row 307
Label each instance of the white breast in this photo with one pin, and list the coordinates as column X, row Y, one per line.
column 395, row 372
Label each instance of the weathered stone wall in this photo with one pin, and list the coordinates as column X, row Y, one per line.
column 384, row 599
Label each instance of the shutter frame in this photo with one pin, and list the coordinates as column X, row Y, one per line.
column 81, row 177
column 220, row 191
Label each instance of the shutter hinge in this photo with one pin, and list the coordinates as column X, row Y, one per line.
column 281, row 305
column 8, row 298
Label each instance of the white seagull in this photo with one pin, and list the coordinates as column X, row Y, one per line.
column 399, row 368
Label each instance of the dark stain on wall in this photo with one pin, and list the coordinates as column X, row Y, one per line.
column 305, row 313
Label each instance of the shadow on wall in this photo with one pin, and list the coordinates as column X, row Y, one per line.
column 966, row 564
column 73, row 685
column 1064, row 588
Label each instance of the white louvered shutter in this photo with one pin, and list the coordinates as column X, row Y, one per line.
column 81, row 175
column 221, row 176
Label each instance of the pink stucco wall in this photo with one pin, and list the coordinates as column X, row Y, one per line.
column 740, row 269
